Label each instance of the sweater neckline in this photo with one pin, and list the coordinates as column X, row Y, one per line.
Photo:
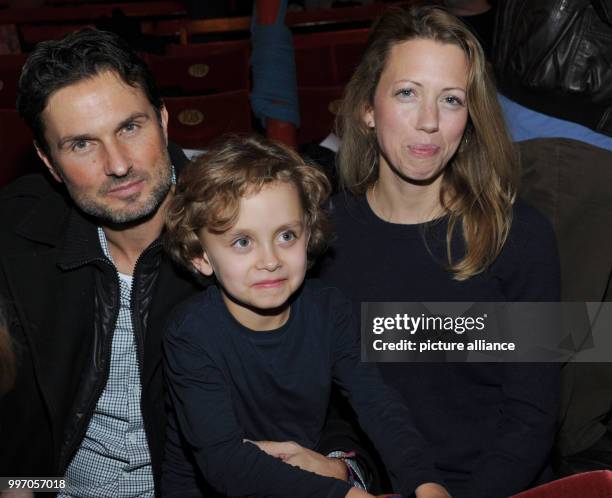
column 435, row 227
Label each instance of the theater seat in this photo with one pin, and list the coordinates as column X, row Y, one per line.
column 222, row 68
column 329, row 58
column 16, row 149
column 318, row 108
column 195, row 121
column 596, row 484
column 10, row 69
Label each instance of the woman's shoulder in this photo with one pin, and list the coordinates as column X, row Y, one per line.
column 346, row 205
column 529, row 261
column 528, row 218
column 531, row 233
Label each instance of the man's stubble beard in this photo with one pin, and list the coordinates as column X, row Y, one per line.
column 120, row 216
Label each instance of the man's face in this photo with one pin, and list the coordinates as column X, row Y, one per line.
column 107, row 145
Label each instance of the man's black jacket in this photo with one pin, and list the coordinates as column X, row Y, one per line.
column 62, row 295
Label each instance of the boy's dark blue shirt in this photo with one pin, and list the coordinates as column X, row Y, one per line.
column 228, row 383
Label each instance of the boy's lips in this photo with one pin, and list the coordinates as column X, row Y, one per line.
column 270, row 283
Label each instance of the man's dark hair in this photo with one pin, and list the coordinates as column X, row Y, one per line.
column 55, row 64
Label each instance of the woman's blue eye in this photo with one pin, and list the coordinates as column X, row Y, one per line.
column 405, row 92
column 451, row 99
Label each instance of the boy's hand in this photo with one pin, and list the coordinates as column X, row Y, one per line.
column 431, row 490
column 298, row 456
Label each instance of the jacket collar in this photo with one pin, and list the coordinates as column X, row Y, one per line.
column 55, row 221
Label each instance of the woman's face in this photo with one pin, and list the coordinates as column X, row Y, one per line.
column 420, row 109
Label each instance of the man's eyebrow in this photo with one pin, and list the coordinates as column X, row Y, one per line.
column 75, row 138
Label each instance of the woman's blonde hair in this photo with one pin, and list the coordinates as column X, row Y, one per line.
column 479, row 183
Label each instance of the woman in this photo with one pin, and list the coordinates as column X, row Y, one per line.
column 429, row 214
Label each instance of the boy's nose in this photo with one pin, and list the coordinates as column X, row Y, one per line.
column 269, row 260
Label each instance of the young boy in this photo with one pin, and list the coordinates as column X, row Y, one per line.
column 254, row 356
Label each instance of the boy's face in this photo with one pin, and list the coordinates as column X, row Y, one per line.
column 261, row 261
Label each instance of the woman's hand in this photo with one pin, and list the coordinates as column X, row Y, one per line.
column 298, row 456
column 431, row 490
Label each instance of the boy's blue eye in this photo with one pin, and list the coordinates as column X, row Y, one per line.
column 287, row 236
column 241, row 243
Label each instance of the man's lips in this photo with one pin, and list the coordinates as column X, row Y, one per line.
column 424, row 150
column 268, row 284
column 126, row 189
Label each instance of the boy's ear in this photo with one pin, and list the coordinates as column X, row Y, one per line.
column 202, row 264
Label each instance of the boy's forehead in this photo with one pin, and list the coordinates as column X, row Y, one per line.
column 266, row 206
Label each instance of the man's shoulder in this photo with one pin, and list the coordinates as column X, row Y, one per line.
column 34, row 201
column 34, row 185
column 29, row 190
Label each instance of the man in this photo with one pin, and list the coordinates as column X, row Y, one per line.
column 83, row 274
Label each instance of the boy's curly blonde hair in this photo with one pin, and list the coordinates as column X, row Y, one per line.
column 210, row 187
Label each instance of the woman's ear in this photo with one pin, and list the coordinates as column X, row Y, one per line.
column 203, row 265
column 368, row 117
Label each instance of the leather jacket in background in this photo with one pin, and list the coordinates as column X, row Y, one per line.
column 555, row 57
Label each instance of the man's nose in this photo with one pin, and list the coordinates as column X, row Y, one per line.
column 118, row 162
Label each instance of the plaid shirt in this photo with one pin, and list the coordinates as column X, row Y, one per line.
column 113, row 459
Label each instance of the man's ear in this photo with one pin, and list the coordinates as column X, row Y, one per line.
column 48, row 163
column 163, row 113
column 203, row 265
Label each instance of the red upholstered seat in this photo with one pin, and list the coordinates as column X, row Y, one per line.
column 328, row 58
column 595, row 484
column 10, row 69
column 318, row 108
column 221, row 67
column 16, row 148
column 195, row 121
